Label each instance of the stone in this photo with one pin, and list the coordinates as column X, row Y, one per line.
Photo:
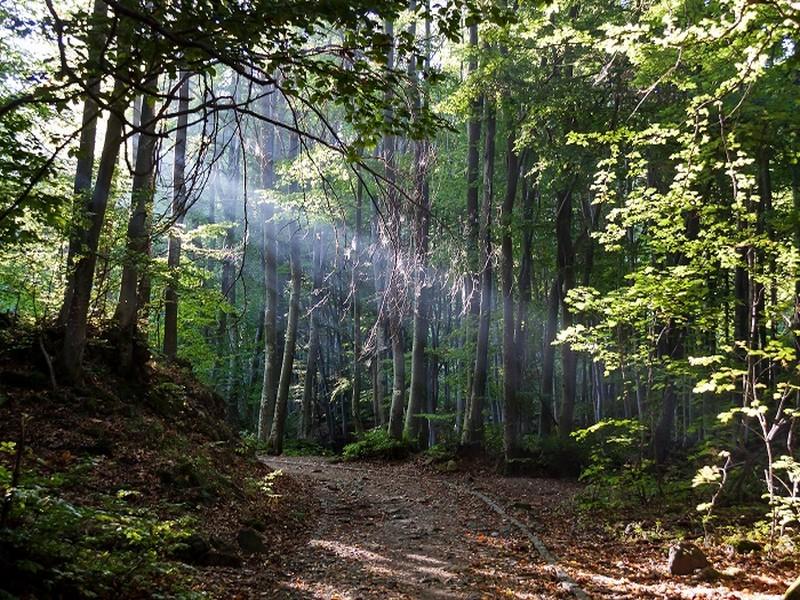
column 250, row 541
column 745, row 546
column 192, row 550
column 451, row 466
column 686, row 558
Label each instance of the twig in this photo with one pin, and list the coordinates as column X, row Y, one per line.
column 49, row 362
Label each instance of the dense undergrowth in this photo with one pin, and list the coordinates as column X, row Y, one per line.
column 124, row 487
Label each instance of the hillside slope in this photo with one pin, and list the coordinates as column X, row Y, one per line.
column 129, row 486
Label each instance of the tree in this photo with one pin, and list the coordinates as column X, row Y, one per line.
column 138, row 234
column 178, row 212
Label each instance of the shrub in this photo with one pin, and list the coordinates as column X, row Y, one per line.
column 376, row 443
column 297, row 447
column 112, row 548
column 616, row 470
column 556, row 456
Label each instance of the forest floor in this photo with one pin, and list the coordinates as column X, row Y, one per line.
column 407, row 531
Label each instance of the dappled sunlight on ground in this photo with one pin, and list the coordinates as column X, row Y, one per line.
column 382, row 534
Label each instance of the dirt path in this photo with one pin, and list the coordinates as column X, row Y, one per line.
column 392, row 531
column 386, row 533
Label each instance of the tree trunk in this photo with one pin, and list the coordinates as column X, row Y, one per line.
column 418, row 394
column 138, row 235
column 472, row 233
column 178, row 212
column 269, row 388
column 89, row 238
column 473, row 423
column 85, row 155
column 275, row 441
column 313, row 336
column 511, row 365
column 566, row 275
column 394, row 292
column 355, row 404
column 546, row 416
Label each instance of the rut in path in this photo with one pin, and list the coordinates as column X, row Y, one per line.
column 385, row 533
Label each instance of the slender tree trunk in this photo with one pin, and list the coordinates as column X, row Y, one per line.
column 511, row 366
column 398, row 379
column 472, row 233
column 471, row 293
column 419, row 390
column 85, row 155
column 378, row 387
column 228, row 328
column 546, row 416
column 566, row 275
column 355, row 404
column 138, row 235
column 313, row 336
column 178, row 212
column 83, row 274
column 393, row 296
column 275, row 441
column 473, row 424
column 269, row 388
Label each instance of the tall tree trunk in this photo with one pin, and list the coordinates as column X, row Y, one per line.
column 355, row 404
column 275, row 441
column 94, row 211
column 511, row 365
column 228, row 328
column 178, row 212
column 472, row 233
column 473, row 418
column 269, row 388
column 85, row 155
column 138, row 235
column 566, row 275
column 313, row 336
column 419, row 391
column 378, row 387
column 471, row 292
column 395, row 289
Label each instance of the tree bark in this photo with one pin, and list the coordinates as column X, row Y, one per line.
column 83, row 276
column 394, row 292
column 547, row 412
column 85, row 155
column 473, row 424
column 566, row 275
column 313, row 337
column 511, row 366
column 472, row 233
column 355, row 404
column 275, row 441
column 269, row 388
column 138, row 235
column 418, row 394
column 178, row 212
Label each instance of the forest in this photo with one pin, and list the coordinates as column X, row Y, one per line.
column 399, row 299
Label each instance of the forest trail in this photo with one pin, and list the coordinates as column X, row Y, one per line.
column 385, row 532
column 393, row 531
